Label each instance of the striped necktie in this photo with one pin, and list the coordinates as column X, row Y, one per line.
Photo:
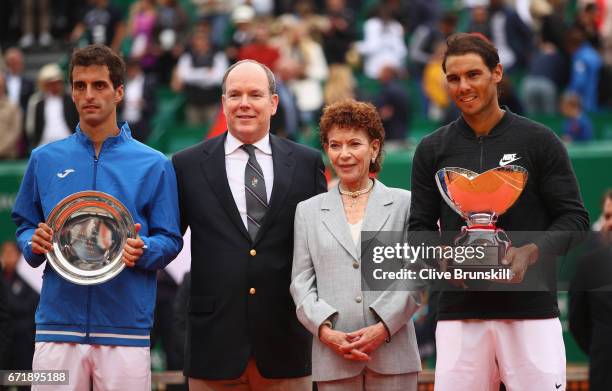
column 255, row 192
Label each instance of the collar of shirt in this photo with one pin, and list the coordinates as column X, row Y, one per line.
column 232, row 144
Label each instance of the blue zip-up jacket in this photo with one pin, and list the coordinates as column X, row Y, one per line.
column 119, row 311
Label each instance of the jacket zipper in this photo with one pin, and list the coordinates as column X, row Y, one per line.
column 480, row 141
column 95, row 178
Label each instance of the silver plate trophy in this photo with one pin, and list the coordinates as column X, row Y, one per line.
column 480, row 199
column 90, row 229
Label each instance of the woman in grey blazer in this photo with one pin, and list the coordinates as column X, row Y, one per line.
column 364, row 340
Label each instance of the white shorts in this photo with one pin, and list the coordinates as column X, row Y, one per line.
column 475, row 355
column 110, row 368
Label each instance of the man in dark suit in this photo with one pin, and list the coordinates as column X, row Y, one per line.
column 238, row 194
column 590, row 310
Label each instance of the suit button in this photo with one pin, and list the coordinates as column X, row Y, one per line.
column 252, row 291
column 358, row 299
column 355, row 265
column 253, row 252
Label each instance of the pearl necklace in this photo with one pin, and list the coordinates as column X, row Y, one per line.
column 355, row 194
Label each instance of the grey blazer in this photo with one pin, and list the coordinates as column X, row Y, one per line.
column 326, row 282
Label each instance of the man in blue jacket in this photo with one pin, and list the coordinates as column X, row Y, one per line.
column 99, row 333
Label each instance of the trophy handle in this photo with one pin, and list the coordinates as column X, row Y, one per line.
column 503, row 239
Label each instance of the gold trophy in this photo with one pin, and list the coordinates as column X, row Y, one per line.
column 480, row 199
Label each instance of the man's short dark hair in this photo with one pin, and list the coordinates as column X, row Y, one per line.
column 99, row 55
column 464, row 43
column 269, row 75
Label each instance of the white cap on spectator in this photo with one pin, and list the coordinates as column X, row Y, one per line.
column 243, row 14
column 50, row 72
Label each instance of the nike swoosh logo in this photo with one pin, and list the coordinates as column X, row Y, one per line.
column 504, row 162
column 64, row 174
column 557, row 386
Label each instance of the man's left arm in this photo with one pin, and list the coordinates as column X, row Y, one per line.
column 160, row 240
column 560, row 194
column 319, row 178
column 558, row 188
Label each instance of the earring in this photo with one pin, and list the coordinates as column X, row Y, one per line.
column 373, row 159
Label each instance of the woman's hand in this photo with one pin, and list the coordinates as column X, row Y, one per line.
column 339, row 342
column 365, row 341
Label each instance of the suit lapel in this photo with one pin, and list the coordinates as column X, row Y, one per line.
column 213, row 167
column 377, row 211
column 284, row 165
column 332, row 215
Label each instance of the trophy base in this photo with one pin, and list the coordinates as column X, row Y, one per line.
column 479, row 273
column 485, row 257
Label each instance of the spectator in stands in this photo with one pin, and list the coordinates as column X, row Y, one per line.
column 585, row 68
column 479, row 20
column 141, row 30
column 22, row 302
column 339, row 33
column 543, row 80
column 577, row 126
column 590, row 305
column 139, row 103
column 19, row 89
column 434, row 85
column 340, row 85
column 11, row 121
column 508, row 96
column 421, row 12
column 51, row 113
column 217, row 14
column 286, row 121
column 36, row 10
column 242, row 18
column 383, row 43
column 310, row 68
column 393, row 106
column 586, row 20
column 259, row 48
column 198, row 74
column 606, row 34
column 510, row 35
column 100, row 23
column 425, row 39
column 170, row 33
column 553, row 25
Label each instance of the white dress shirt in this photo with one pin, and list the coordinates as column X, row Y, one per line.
column 235, row 162
column 132, row 99
column 13, row 87
column 56, row 127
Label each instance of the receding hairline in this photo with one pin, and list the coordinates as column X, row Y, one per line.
column 267, row 73
column 12, row 52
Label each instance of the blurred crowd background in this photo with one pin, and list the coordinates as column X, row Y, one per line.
column 557, row 57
